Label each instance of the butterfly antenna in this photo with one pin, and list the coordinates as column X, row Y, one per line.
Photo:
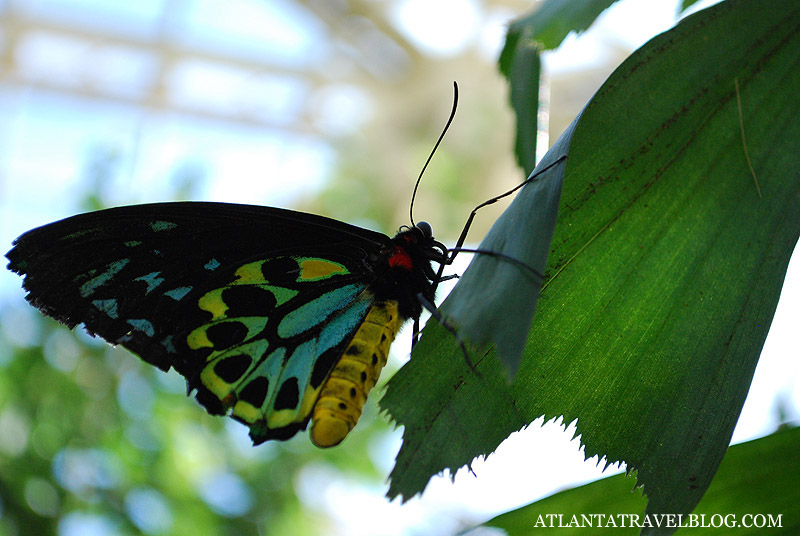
column 430, row 156
column 463, row 237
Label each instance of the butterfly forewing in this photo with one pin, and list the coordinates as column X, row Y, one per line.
column 253, row 305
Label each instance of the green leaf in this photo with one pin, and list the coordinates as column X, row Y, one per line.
column 686, row 4
column 483, row 317
column 664, row 274
column 523, row 74
column 550, row 23
column 757, row 478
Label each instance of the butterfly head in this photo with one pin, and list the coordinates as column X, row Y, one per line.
column 415, row 248
column 425, row 228
column 417, row 241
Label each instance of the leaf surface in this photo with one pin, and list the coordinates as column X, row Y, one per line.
column 664, row 273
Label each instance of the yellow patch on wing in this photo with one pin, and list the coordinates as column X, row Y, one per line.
column 312, row 269
column 215, row 384
column 212, row 302
column 198, row 339
column 250, row 274
column 247, row 412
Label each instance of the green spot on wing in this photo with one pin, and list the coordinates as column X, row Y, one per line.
column 78, row 234
column 178, row 294
column 111, row 270
column 152, row 280
column 282, row 295
column 317, row 311
column 168, row 345
column 342, row 325
column 140, row 324
column 161, row 225
column 109, row 307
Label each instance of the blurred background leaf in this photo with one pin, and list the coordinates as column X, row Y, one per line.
column 551, row 22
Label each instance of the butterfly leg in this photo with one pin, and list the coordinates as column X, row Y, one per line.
column 435, row 313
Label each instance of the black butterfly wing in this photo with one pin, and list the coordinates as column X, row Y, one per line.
column 251, row 304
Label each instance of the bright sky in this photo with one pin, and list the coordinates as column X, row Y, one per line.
column 49, row 146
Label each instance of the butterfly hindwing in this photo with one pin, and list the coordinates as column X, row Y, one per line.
column 268, row 368
column 253, row 305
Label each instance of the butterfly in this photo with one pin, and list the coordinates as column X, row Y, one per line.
column 272, row 316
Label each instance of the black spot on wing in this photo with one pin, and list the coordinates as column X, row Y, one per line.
column 210, row 401
column 280, row 271
column 255, row 392
column 226, row 334
column 247, row 300
column 259, row 434
column 323, row 366
column 232, row 368
column 288, row 395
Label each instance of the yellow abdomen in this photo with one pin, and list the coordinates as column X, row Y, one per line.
column 343, row 395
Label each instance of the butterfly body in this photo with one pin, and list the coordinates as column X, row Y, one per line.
column 272, row 316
